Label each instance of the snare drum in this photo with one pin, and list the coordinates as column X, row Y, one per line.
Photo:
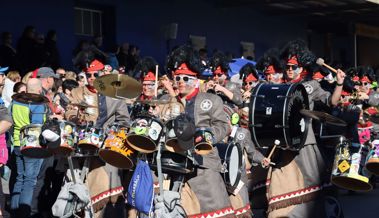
column 145, row 133
column 372, row 164
column 30, row 145
column 68, row 138
column 203, row 141
column 171, row 139
column 90, row 139
column 231, row 160
column 348, row 167
column 173, row 163
column 116, row 151
column 275, row 114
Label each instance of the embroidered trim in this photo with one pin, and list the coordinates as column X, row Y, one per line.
column 225, row 212
column 106, row 194
column 242, row 210
column 295, row 194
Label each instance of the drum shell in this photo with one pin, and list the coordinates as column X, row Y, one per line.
column 231, row 164
column 274, row 114
column 90, row 139
column 68, row 138
column 145, row 133
column 117, row 152
column 172, row 163
column 203, row 142
column 30, row 145
column 349, row 167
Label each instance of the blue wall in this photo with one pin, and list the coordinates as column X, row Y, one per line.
column 140, row 23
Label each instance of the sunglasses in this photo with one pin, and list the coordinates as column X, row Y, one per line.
column 149, row 85
column 184, row 78
column 250, row 83
column 366, row 84
column 89, row 75
column 293, row 67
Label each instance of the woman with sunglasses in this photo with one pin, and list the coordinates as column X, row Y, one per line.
column 249, row 76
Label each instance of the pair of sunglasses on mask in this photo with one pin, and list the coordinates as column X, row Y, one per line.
column 184, row 78
column 89, row 75
column 249, row 83
column 294, row 67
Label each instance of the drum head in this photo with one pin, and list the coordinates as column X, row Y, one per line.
column 372, row 165
column 141, row 143
column 116, row 159
column 36, row 152
column 352, row 182
column 234, row 165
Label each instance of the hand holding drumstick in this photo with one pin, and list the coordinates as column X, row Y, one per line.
column 266, row 162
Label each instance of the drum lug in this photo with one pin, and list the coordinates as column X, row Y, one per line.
column 258, row 96
column 224, row 167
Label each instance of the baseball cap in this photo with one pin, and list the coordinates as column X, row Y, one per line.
column 3, row 69
column 185, row 129
column 46, row 72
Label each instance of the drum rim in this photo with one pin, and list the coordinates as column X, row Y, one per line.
column 130, row 159
column 32, row 125
column 189, row 164
column 252, row 114
column 228, row 152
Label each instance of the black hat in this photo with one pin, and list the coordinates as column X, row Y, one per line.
column 51, row 134
column 185, row 129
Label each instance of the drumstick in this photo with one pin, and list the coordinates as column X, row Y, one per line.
column 156, row 80
column 277, row 142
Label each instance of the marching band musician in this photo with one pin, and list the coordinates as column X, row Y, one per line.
column 205, row 192
column 240, row 200
column 250, row 78
column 103, row 180
column 302, row 172
column 220, row 83
column 271, row 66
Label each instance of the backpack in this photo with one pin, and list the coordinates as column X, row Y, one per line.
column 141, row 188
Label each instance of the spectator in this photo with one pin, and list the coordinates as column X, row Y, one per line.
column 40, row 55
column 19, row 87
column 8, row 54
column 70, row 75
column 82, row 79
column 112, row 57
column 132, row 59
column 26, row 48
column 12, row 78
column 67, row 86
column 61, row 73
column 122, row 56
column 53, row 57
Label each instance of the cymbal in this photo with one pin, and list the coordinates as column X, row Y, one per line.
column 323, row 117
column 153, row 102
column 118, row 86
column 30, row 98
column 83, row 105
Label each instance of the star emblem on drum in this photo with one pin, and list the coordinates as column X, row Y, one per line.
column 206, row 105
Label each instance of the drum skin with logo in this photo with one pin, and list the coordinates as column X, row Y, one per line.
column 348, row 168
column 90, row 139
column 116, row 151
column 145, row 133
column 231, row 160
column 68, row 138
column 275, row 115
column 30, row 145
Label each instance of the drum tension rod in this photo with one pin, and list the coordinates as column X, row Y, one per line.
column 283, row 96
column 258, row 96
column 256, row 125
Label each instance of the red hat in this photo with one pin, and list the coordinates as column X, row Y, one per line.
column 250, row 78
column 94, row 66
column 183, row 69
column 218, row 71
column 345, row 93
column 365, row 79
column 371, row 111
column 270, row 70
column 318, row 75
column 355, row 79
column 293, row 61
column 149, row 77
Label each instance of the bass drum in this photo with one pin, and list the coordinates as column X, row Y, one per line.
column 275, row 115
column 231, row 160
